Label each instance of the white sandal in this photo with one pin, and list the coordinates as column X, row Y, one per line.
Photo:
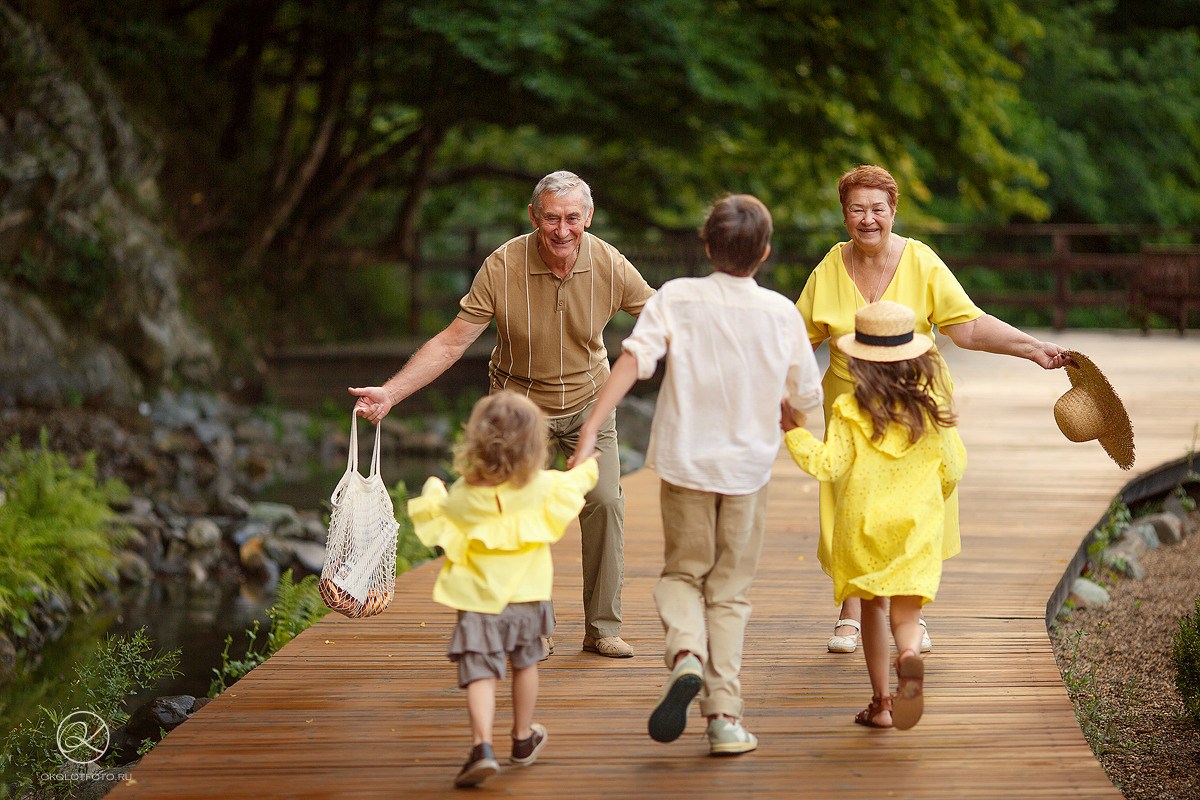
column 848, row 643
column 926, row 642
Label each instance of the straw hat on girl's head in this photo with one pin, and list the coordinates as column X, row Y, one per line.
column 1092, row 410
column 883, row 331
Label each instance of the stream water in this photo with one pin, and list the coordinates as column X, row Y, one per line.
column 177, row 614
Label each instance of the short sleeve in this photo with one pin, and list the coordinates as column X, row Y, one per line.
column 817, row 331
column 948, row 302
column 479, row 306
column 648, row 341
column 634, row 289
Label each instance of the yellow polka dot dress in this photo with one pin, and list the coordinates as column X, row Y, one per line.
column 889, row 520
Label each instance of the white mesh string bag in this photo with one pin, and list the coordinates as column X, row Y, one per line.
column 359, row 575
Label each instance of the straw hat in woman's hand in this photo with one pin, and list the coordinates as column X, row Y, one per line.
column 1091, row 410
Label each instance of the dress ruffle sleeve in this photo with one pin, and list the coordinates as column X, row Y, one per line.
column 433, row 528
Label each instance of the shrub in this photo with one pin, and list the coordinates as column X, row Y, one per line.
column 120, row 668
column 410, row 552
column 1185, row 653
column 56, row 530
column 297, row 606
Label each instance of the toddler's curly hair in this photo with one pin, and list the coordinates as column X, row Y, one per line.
column 505, row 440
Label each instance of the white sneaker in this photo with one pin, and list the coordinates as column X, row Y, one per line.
column 926, row 642
column 727, row 737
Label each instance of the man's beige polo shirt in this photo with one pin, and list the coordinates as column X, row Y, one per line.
column 548, row 331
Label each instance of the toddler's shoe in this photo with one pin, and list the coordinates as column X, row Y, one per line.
column 480, row 766
column 669, row 717
column 727, row 737
column 525, row 751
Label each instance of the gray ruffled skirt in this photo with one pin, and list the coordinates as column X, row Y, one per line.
column 482, row 644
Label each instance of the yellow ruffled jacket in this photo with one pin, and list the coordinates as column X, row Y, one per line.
column 497, row 538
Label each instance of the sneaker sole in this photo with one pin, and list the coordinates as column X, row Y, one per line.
column 479, row 772
column 669, row 718
column 732, row 748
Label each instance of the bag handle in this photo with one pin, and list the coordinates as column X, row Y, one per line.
column 352, row 458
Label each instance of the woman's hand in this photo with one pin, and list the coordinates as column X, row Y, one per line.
column 1048, row 355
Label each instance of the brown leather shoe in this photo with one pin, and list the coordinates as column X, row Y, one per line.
column 609, row 646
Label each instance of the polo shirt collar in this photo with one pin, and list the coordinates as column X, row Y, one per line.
column 582, row 264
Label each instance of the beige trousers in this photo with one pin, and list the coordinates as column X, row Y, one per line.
column 601, row 524
column 712, row 546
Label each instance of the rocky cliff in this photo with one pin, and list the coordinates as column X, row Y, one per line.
column 90, row 309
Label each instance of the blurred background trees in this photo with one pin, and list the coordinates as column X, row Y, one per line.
column 311, row 145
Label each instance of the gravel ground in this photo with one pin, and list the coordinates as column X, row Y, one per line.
column 1116, row 664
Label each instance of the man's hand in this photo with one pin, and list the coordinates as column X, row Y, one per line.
column 373, row 404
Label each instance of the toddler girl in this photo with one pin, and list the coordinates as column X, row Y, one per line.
column 496, row 525
column 893, row 449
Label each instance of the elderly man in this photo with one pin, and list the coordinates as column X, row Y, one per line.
column 551, row 292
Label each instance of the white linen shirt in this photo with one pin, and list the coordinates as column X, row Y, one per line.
column 733, row 350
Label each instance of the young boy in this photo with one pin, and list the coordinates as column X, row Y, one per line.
column 734, row 350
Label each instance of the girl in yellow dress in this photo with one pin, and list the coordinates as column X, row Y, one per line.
column 892, row 446
column 496, row 525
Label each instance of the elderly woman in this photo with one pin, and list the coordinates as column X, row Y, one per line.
column 877, row 264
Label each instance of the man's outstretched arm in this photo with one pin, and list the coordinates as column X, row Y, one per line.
column 435, row 357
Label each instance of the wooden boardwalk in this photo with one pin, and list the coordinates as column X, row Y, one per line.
column 369, row 709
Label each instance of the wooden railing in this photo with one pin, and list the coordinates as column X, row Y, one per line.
column 1064, row 266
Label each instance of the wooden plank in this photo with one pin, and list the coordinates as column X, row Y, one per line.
column 369, row 708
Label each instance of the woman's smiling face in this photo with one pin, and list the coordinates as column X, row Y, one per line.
column 869, row 217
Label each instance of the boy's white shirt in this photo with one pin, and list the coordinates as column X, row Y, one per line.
column 733, row 350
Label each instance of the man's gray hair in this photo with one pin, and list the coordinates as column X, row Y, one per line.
column 558, row 184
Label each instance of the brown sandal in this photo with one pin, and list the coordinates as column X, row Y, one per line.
column 878, row 706
column 910, row 690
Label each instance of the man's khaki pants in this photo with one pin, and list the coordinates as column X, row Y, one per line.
column 601, row 524
column 712, row 546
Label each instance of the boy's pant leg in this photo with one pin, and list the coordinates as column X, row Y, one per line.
column 741, row 521
column 689, row 519
column 601, row 525
column 713, row 543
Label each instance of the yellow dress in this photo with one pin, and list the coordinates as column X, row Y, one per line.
column 497, row 538
column 888, row 526
column 828, row 302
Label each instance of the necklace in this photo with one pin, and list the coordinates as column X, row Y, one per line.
column 878, row 283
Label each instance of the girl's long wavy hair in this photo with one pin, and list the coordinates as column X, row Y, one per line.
column 904, row 392
column 505, row 440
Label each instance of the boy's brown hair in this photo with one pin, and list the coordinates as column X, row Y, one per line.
column 905, row 392
column 505, row 440
column 737, row 233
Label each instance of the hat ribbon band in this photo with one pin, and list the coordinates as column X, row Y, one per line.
column 883, row 341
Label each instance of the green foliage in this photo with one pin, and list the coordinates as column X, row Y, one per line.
column 297, row 606
column 1111, row 112
column 72, row 272
column 410, row 552
column 122, row 667
column 1118, row 518
column 1185, row 655
column 1099, row 718
column 57, row 532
